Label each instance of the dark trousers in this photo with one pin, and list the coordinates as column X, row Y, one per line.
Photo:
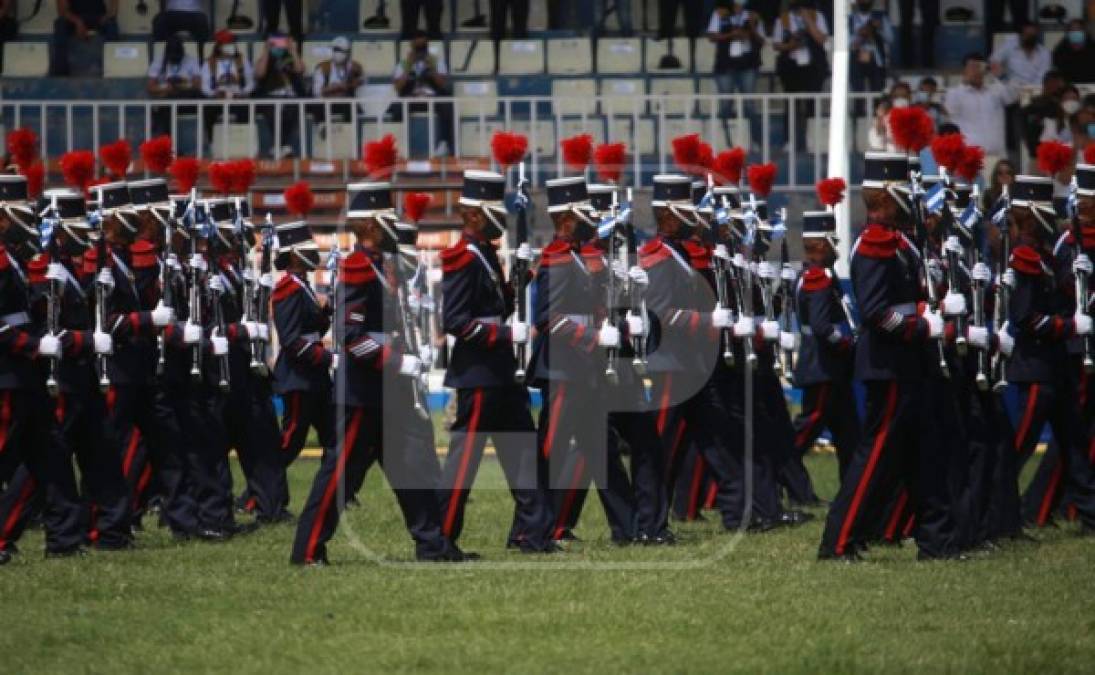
column 776, row 435
column 693, row 17
column 9, row 28
column 638, row 431
column 64, row 30
column 166, row 24
column 410, row 9
column 695, row 489
column 829, row 405
column 502, row 415
column 994, row 18
column 245, row 420
column 403, row 444
column 294, row 14
column 518, row 11
column 25, row 427
column 283, row 133
column 929, row 22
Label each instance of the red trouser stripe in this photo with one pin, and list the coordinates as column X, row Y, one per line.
column 868, row 471
column 695, row 488
column 332, row 484
column 130, row 452
column 663, row 405
column 13, row 517
column 1051, row 490
column 5, row 419
column 553, row 423
column 568, row 502
column 895, row 517
column 712, row 492
column 815, row 417
column 677, row 438
column 1028, row 418
column 462, row 473
column 291, row 427
column 909, row 525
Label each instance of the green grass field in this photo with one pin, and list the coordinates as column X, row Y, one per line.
column 767, row 606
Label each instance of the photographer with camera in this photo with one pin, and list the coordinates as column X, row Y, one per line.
column 226, row 74
column 174, row 74
column 871, row 41
column 423, row 75
column 802, row 66
column 279, row 73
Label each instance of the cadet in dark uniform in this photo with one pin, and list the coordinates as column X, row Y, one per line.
column 478, row 304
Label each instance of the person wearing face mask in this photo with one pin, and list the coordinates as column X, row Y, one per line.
column 1075, row 53
column 174, row 74
column 871, row 39
column 279, row 74
column 420, row 75
column 927, row 96
column 337, row 77
column 226, row 74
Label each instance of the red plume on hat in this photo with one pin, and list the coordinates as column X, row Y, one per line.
column 761, row 179
column 415, row 205
column 36, row 177
column 116, row 157
column 947, row 150
column 1089, row 153
column 728, row 165
column 970, row 163
column 185, row 172
column 380, row 157
column 220, row 176
column 912, row 128
column 23, row 147
column 242, row 176
column 1054, row 157
column 157, row 154
column 686, row 152
column 508, row 148
column 299, row 198
column 609, row 160
column 830, row 191
column 578, row 151
column 78, row 168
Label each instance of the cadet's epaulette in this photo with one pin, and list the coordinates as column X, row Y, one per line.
column 357, row 269
column 5, row 262
column 456, row 257
column 698, row 255
column 878, row 242
column 91, row 261
column 594, row 258
column 37, row 268
column 815, row 279
column 143, row 254
column 287, row 285
column 556, row 253
column 653, row 253
column 1025, row 260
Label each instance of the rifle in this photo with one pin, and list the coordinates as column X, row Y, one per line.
column 224, row 373
column 261, row 299
column 635, row 301
column 953, row 262
column 787, row 305
column 166, row 287
column 195, row 291
column 925, row 271
column 520, row 271
column 978, row 292
column 100, row 300
column 410, row 336
column 54, row 297
column 1003, row 292
column 1082, row 281
column 745, row 287
column 610, row 289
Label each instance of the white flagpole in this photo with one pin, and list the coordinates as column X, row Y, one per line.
column 838, row 127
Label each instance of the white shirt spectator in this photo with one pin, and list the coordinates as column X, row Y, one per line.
column 780, row 35
column 328, row 73
column 186, row 70
column 979, row 113
column 231, row 75
column 422, row 87
column 1020, row 67
column 860, row 19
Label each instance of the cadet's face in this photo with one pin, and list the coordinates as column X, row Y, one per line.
column 1086, row 211
column 818, row 252
column 150, row 229
column 668, row 224
column 473, row 218
column 1024, row 224
column 881, row 206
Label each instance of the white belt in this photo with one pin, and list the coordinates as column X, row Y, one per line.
column 379, row 338
column 906, row 308
column 580, row 319
column 16, row 319
column 490, row 320
column 312, row 337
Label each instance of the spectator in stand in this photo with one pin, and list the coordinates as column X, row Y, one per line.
column 174, row 74
column 226, row 74
column 9, row 27
column 337, row 77
column 1074, row 56
column 421, row 75
column 1023, row 61
column 1083, row 123
column 978, row 107
column 182, row 16
column 279, row 73
column 294, row 16
column 927, row 96
column 738, row 38
column 994, row 17
column 410, row 9
column 80, row 18
column 878, row 137
column 1044, row 117
column 621, row 8
column 518, row 12
column 667, row 17
column 801, row 63
column 929, row 21
column 871, row 40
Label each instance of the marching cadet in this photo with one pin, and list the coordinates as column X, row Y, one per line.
column 1042, row 317
column 569, row 368
column 490, row 403
column 377, row 397
column 885, row 270
column 823, row 368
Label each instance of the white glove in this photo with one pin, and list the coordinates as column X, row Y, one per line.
column 1007, row 342
column 935, row 271
column 638, row 276
column 981, row 272
column 953, row 245
column 216, row 284
column 619, row 270
column 192, row 333
column 220, row 345
column 1080, row 266
column 744, row 328
column 519, row 332
column 162, row 315
column 105, row 278
column 788, row 273
column 334, row 361
column 263, row 332
column 197, row 262
column 787, row 342
column 55, row 272
column 410, row 366
column 49, row 346
column 935, row 324
column 608, row 337
column 104, row 344
column 766, row 270
column 413, row 303
column 721, row 253
column 1009, row 278
column 978, row 336
column 435, row 275
column 173, row 261
column 524, row 252
column 769, row 330
column 720, row 318
column 1083, row 323
column 425, row 354
column 739, row 260
column 954, row 304
column 266, row 280
column 252, row 328
column 636, row 327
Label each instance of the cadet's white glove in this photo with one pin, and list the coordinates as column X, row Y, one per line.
column 739, row 260
column 769, row 330
column 608, row 337
column 334, row 362
column 104, row 344
column 192, row 333
column 216, row 284
column 435, row 275
column 981, row 273
column 787, row 341
column 425, row 354
column 264, row 332
column 638, row 276
column 953, row 245
column 49, row 346
column 721, row 253
column 1007, row 342
column 524, row 252
column 954, row 304
column 106, row 278
column 766, row 270
column 745, row 328
column 172, row 262
column 636, row 327
column 978, row 336
column 220, row 344
column 266, row 280
column 162, row 315
column 720, row 318
column 55, row 272
column 619, row 270
column 252, row 328
column 788, row 273
column 410, row 366
column 1009, row 278
column 197, row 262
column 1081, row 265
column 1083, row 323
column 519, row 332
column 935, row 324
